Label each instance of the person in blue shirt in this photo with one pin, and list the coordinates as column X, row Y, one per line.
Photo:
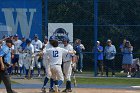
column 110, row 52
column 78, row 47
column 100, row 58
column 5, row 59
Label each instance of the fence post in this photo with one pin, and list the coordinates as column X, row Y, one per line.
column 46, row 16
column 95, row 35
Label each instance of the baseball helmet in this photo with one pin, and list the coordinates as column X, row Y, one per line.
column 66, row 38
column 53, row 41
column 53, row 38
column 28, row 40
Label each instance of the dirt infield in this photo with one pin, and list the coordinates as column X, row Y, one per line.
column 78, row 90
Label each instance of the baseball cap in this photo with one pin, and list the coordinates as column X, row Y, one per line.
column 23, row 37
column 28, row 40
column 45, row 37
column 36, row 35
column 9, row 41
column 16, row 35
column 98, row 42
column 109, row 40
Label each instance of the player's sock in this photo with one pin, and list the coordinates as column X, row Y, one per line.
column 20, row 70
column 45, row 81
column 60, row 82
column 68, row 85
column 44, row 70
column 39, row 71
column 56, row 82
column 9, row 70
column 27, row 72
column 51, row 83
column 31, row 73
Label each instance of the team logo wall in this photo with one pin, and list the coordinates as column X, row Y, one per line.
column 60, row 30
column 21, row 16
column 60, row 33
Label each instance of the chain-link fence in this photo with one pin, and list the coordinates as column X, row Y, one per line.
column 117, row 20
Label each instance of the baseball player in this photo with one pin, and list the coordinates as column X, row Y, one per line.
column 17, row 44
column 46, row 46
column 29, row 49
column 37, row 48
column 67, row 64
column 55, row 54
column 22, row 55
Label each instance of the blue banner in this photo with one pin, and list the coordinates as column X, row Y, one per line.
column 23, row 17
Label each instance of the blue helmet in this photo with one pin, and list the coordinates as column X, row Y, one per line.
column 66, row 38
column 53, row 38
column 28, row 40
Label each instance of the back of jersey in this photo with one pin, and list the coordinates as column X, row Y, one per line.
column 55, row 55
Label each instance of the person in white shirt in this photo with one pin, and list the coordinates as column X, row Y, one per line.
column 47, row 45
column 29, row 60
column 55, row 55
column 17, row 44
column 37, row 48
column 67, row 64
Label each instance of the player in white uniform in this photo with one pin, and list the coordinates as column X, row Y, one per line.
column 47, row 45
column 17, row 44
column 55, row 55
column 37, row 48
column 22, row 55
column 67, row 64
column 29, row 60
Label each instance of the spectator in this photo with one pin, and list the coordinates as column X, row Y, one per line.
column 100, row 58
column 79, row 48
column 110, row 52
column 127, row 57
column 123, row 43
column 121, row 46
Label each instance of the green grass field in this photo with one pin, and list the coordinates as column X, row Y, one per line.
column 108, row 81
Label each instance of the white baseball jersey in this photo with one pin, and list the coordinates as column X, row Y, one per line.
column 37, row 45
column 29, row 58
column 55, row 55
column 47, row 46
column 17, row 45
column 30, row 49
column 67, row 57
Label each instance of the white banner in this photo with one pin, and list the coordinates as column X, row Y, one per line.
column 60, row 30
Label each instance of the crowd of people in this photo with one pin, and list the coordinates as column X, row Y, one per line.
column 106, row 57
column 21, row 57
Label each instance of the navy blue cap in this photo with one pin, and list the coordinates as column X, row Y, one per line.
column 35, row 35
column 53, row 38
column 45, row 37
column 23, row 37
column 28, row 40
column 16, row 35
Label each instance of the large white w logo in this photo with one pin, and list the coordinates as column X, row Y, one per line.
column 21, row 19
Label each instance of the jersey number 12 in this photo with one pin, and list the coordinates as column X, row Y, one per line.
column 55, row 53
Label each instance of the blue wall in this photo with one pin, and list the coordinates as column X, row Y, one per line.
column 21, row 16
